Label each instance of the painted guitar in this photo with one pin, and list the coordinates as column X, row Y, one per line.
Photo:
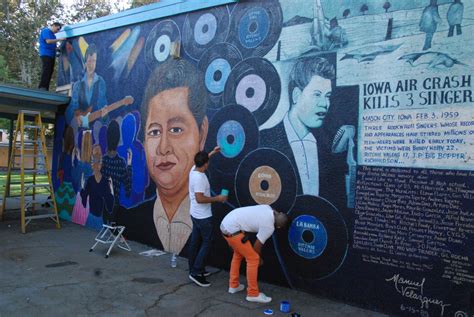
column 82, row 118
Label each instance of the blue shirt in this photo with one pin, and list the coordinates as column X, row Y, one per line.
column 46, row 49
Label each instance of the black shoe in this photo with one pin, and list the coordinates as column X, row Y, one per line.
column 199, row 280
column 205, row 274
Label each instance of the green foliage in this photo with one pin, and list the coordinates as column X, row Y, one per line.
column 139, row 3
column 15, row 189
column 87, row 10
column 4, row 124
column 20, row 24
column 4, row 73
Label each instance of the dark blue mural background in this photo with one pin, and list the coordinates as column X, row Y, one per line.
column 370, row 275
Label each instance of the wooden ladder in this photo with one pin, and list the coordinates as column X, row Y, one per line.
column 38, row 152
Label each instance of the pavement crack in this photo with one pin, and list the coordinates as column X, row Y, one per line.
column 62, row 284
column 172, row 291
column 220, row 302
column 206, row 308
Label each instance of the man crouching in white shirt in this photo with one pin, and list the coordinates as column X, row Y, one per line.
column 260, row 219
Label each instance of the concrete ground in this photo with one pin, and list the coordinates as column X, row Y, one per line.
column 50, row 272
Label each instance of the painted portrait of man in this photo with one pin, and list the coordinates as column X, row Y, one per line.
column 309, row 91
column 173, row 130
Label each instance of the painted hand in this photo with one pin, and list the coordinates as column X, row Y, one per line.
column 82, row 181
column 129, row 157
column 111, row 186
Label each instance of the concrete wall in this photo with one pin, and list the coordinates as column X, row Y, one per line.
column 361, row 133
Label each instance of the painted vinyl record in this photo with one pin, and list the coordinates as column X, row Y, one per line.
column 218, row 181
column 255, row 27
column 266, row 176
column 203, row 30
column 216, row 64
column 235, row 130
column 315, row 243
column 159, row 41
column 255, row 84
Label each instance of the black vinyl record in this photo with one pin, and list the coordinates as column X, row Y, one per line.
column 266, row 176
column 220, row 181
column 255, row 84
column 255, row 26
column 235, row 130
column 216, row 64
column 315, row 243
column 159, row 41
column 203, row 29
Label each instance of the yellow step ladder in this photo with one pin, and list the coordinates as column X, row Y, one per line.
column 37, row 151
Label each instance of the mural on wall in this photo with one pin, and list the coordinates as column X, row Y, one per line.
column 354, row 117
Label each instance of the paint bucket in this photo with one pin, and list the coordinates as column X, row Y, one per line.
column 285, row 307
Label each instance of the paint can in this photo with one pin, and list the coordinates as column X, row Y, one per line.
column 285, row 306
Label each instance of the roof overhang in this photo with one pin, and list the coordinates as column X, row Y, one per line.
column 162, row 9
column 14, row 99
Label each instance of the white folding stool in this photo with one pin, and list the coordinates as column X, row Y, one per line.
column 111, row 234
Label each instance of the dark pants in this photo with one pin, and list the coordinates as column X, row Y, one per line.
column 451, row 30
column 428, row 39
column 200, row 244
column 47, row 68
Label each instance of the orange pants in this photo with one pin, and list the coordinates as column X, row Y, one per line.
column 243, row 250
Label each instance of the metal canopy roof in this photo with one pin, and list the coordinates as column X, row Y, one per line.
column 14, row 98
column 161, row 9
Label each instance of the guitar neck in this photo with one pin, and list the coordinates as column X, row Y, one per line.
column 99, row 113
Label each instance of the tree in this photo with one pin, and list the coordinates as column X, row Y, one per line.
column 386, row 6
column 4, row 73
column 19, row 29
column 139, row 3
column 88, row 10
column 346, row 13
column 5, row 124
column 364, row 8
column 20, row 24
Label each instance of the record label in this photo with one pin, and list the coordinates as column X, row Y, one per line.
column 250, row 92
column 265, row 185
column 162, row 48
column 205, row 29
column 307, row 236
column 254, row 27
column 231, row 138
column 216, row 75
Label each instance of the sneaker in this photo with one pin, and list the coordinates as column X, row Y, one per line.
column 205, row 274
column 199, row 280
column 261, row 298
column 237, row 289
